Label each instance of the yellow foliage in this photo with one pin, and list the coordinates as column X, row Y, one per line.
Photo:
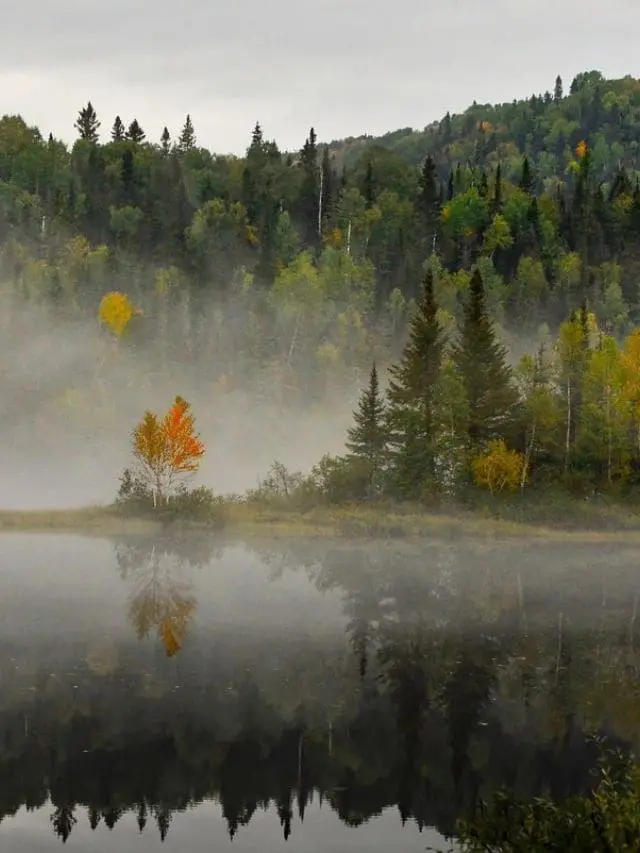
column 116, row 312
column 498, row 468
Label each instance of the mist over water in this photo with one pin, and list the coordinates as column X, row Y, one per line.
column 337, row 695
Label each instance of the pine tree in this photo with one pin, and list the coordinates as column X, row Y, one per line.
column 187, row 138
column 527, row 180
column 87, row 124
column 412, row 398
column 135, row 133
column 327, row 195
column 429, row 202
column 558, row 90
column 165, row 141
column 367, row 438
column 309, row 197
column 482, row 364
column 118, row 130
column 497, row 190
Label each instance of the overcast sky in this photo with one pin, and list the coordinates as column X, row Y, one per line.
column 344, row 66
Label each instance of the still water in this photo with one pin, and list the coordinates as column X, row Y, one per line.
column 191, row 695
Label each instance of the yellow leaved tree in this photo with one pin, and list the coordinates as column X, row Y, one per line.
column 167, row 450
column 116, row 312
column 498, row 468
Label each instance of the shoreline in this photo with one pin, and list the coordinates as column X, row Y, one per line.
column 242, row 520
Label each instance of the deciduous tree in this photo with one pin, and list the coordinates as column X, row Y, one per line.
column 167, row 450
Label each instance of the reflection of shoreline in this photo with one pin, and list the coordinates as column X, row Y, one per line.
column 452, row 677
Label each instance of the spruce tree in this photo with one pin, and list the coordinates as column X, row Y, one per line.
column 367, row 438
column 118, row 130
column 165, row 141
column 187, row 138
column 412, row 398
column 482, row 364
column 309, row 196
column 328, row 194
column 135, row 133
column 497, row 190
column 87, row 124
column 429, row 202
column 527, row 180
column 558, row 90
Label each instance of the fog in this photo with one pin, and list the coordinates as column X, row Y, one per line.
column 68, row 404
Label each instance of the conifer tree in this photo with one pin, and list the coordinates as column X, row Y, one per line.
column 558, row 90
column 309, row 198
column 327, row 195
column 118, row 130
column 165, row 141
column 482, row 364
column 527, row 181
column 187, row 138
column 135, row 133
column 497, row 190
column 429, row 201
column 412, row 397
column 87, row 124
column 367, row 438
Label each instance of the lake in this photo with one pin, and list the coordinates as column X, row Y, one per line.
column 323, row 694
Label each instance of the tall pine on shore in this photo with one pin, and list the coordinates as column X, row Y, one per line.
column 367, row 438
column 412, row 398
column 481, row 362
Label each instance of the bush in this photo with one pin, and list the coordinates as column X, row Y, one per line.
column 340, row 479
column 135, row 499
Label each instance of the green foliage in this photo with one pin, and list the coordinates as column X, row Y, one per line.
column 482, row 365
column 135, row 500
column 367, row 438
column 606, row 821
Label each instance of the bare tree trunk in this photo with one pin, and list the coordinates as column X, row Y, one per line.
column 527, row 457
column 567, row 441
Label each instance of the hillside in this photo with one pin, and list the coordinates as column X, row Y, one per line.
column 546, row 127
column 132, row 270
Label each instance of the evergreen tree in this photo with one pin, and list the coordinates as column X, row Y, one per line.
column 527, row 180
column 309, row 197
column 327, row 199
column 558, row 92
column 165, row 141
column 118, row 130
column 87, row 124
column 412, row 398
column 135, row 133
column 482, row 364
column 367, row 438
column 368, row 186
column 497, row 190
column 187, row 138
column 429, row 202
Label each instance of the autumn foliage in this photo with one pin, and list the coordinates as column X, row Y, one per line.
column 167, row 449
column 498, row 468
column 116, row 312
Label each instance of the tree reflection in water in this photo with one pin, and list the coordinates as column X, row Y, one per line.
column 455, row 676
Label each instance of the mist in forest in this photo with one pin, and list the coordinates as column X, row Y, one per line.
column 69, row 400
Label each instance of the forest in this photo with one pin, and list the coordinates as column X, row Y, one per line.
column 486, row 267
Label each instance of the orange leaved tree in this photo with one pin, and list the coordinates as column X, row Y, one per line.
column 167, row 450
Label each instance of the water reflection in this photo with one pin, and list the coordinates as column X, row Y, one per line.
column 161, row 600
column 455, row 669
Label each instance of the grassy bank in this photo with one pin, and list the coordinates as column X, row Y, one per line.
column 544, row 516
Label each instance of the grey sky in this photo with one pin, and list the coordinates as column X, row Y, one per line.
column 345, row 66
